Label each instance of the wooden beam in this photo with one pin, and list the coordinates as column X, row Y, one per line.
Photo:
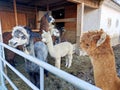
column 15, row 11
column 89, row 3
column 47, row 7
column 80, row 17
column 66, row 20
column 36, row 11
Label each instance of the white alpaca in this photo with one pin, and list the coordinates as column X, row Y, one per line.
column 59, row 50
column 54, row 31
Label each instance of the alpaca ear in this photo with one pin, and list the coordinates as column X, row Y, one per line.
column 44, row 40
column 102, row 39
column 101, row 30
column 44, row 31
column 48, row 32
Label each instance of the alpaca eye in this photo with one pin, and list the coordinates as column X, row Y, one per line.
column 87, row 45
column 23, row 37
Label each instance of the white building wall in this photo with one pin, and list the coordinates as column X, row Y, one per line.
column 106, row 17
column 91, row 19
column 110, row 22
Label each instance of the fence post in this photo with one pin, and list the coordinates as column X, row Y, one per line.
column 2, row 81
column 41, row 78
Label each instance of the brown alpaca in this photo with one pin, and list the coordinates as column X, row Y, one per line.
column 97, row 45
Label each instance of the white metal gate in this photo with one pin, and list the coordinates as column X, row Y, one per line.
column 82, row 85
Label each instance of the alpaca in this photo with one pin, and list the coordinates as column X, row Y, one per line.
column 24, row 36
column 55, row 34
column 9, row 55
column 46, row 23
column 59, row 50
column 98, row 47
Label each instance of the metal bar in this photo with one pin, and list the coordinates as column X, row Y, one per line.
column 11, row 83
column 20, row 75
column 2, row 82
column 62, row 74
column 41, row 78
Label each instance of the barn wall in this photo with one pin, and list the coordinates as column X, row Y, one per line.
column 25, row 19
column 26, row 16
column 8, row 20
column 110, row 21
column 40, row 14
column 31, row 20
column 70, row 12
column 91, row 19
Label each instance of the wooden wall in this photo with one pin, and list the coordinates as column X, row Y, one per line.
column 70, row 12
column 8, row 20
column 26, row 16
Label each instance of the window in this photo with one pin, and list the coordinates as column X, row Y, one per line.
column 109, row 23
column 117, row 23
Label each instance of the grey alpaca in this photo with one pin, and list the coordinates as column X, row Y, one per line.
column 24, row 36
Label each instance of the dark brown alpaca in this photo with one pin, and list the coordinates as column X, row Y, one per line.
column 45, row 22
column 9, row 55
column 44, row 25
column 98, row 47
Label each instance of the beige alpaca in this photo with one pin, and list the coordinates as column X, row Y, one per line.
column 97, row 45
column 59, row 50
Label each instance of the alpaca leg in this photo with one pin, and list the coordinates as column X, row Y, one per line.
column 32, row 78
column 37, row 79
column 69, row 60
column 12, row 62
column 46, row 73
column 58, row 62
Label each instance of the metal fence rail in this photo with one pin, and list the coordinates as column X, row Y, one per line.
column 82, row 85
column 19, row 74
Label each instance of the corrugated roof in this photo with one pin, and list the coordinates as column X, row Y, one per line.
column 117, row 2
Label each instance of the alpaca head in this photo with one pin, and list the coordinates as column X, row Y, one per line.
column 46, row 22
column 21, row 36
column 46, row 37
column 54, row 31
column 92, row 40
column 49, row 18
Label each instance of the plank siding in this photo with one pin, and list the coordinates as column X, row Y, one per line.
column 8, row 20
column 70, row 12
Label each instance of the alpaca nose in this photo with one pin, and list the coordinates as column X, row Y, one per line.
column 12, row 44
column 80, row 42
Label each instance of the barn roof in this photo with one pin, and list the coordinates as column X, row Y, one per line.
column 43, row 4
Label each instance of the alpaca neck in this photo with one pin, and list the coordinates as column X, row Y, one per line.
column 29, row 49
column 51, row 47
column 104, row 68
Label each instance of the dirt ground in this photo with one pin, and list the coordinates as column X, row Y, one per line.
column 81, row 68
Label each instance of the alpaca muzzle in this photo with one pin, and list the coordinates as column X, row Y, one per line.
column 12, row 43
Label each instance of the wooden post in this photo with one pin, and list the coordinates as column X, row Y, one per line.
column 36, row 16
column 80, row 16
column 47, row 7
column 15, row 11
